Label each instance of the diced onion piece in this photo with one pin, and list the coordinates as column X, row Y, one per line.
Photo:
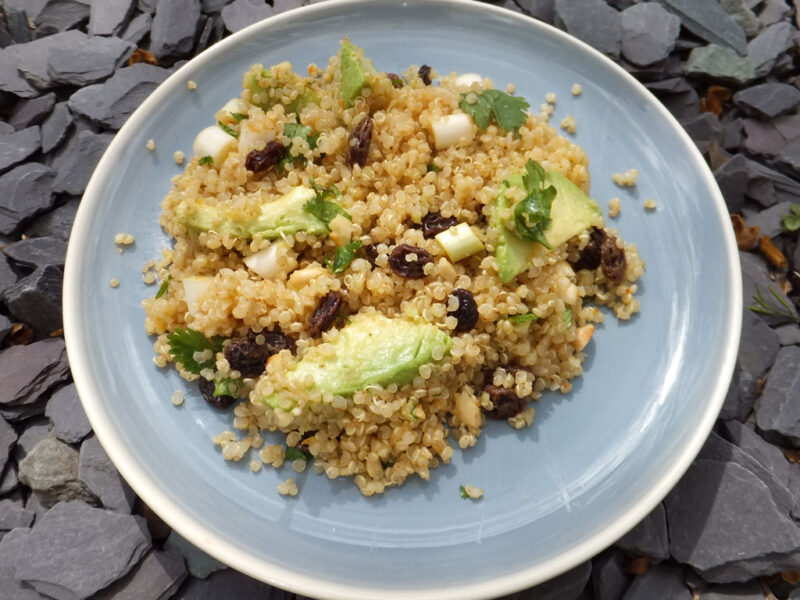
column 467, row 79
column 194, row 288
column 213, row 142
column 450, row 130
column 234, row 105
column 459, row 242
column 253, row 138
column 265, row 262
column 467, row 411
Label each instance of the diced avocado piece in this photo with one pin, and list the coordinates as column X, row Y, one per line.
column 571, row 213
column 267, row 96
column 371, row 350
column 357, row 72
column 280, row 217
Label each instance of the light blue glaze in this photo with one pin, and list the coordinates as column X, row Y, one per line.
column 595, row 460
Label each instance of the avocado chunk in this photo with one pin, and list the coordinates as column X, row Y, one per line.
column 267, row 87
column 371, row 350
column 571, row 213
column 280, row 217
column 357, row 72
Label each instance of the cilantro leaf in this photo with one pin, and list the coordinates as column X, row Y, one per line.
column 344, row 255
column 568, row 317
column 205, row 160
column 532, row 214
column 791, row 220
column 294, row 453
column 228, row 129
column 431, row 167
column 298, row 130
column 322, row 208
column 183, row 343
column 506, row 110
column 164, row 287
column 239, row 116
column 463, row 492
column 524, row 318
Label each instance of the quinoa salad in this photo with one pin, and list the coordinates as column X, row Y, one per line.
column 375, row 264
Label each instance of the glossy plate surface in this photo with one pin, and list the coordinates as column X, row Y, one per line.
column 594, row 463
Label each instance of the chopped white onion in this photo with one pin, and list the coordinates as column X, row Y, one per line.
column 452, row 129
column 467, row 411
column 234, row 105
column 253, row 138
column 467, row 79
column 214, row 142
column 194, row 288
column 265, row 262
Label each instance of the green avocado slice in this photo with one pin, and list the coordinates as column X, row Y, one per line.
column 357, row 72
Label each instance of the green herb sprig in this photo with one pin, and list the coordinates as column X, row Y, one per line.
column 183, row 343
column 505, row 110
column 228, row 129
column 237, row 116
column 760, row 305
column 567, row 317
column 322, row 208
column 532, row 214
column 791, row 220
column 205, row 160
column 163, row 288
column 294, row 453
column 462, row 491
column 343, row 256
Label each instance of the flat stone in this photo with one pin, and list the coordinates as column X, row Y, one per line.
column 567, row 586
column 19, row 27
column 96, row 548
column 56, row 127
column 6, row 128
column 175, row 26
column 11, row 80
column 777, row 416
column 74, row 167
column 609, row 578
column 707, row 511
column 58, row 223
column 648, row 538
column 36, row 299
column 60, row 15
column 768, row 187
column 65, row 411
column 9, row 480
column 33, row 57
column 768, row 100
column 158, row 575
column 773, row 11
column 5, row 327
column 214, row 6
column 225, row 584
column 720, row 63
column 35, row 505
column 199, row 563
column 788, row 334
column 10, row 547
column 213, row 31
column 732, row 178
column 662, row 582
column 789, row 159
column 594, row 22
column 648, row 33
column 16, row 147
column 13, row 515
column 765, row 49
column 769, row 221
column 709, row 21
column 51, row 470
column 110, row 104
column 743, row 16
column 146, row 6
column 138, row 28
column 99, row 474
column 704, row 129
column 32, row 112
column 36, row 430
column 8, row 437
column 109, row 17
column 762, row 138
column 87, row 60
column 37, row 252
column 29, row 372
column 544, row 10
column 734, row 591
column 241, row 13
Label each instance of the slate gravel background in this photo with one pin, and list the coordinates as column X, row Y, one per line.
column 72, row 71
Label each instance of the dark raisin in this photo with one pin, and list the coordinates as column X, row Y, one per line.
column 276, row 341
column 467, row 311
column 397, row 82
column 371, row 252
column 218, row 402
column 359, row 149
column 413, row 269
column 434, row 224
column 325, row 314
column 425, row 74
column 590, row 255
column 261, row 160
column 246, row 356
column 506, row 403
column 612, row 260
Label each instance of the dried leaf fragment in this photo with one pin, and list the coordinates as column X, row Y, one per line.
column 772, row 252
column 745, row 236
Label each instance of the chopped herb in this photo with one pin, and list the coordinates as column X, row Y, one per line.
column 228, row 129
column 532, row 214
column 765, row 308
column 239, row 116
column 506, row 110
column 568, row 317
column 205, row 160
column 412, row 411
column 298, row 130
column 164, row 287
column 524, row 318
column 344, row 256
column 463, row 492
column 322, row 208
column 183, row 343
column 294, row 453
column 433, row 168
column 791, row 220
column 228, row 387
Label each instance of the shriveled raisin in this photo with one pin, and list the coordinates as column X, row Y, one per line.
column 506, row 403
column 425, row 74
column 434, row 223
column 371, row 252
column 218, row 402
column 403, row 264
column 467, row 311
column 325, row 314
column 397, row 82
column 249, row 357
column 612, row 260
column 261, row 160
column 590, row 255
column 359, row 142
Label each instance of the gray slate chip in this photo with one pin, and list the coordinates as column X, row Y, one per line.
column 734, row 591
column 109, row 17
column 765, row 49
column 5, row 327
column 16, row 147
column 594, row 22
column 762, row 138
column 648, row 33
column 58, row 223
column 37, row 252
column 75, row 165
column 769, row 221
column 51, row 470
column 13, row 515
column 9, row 480
column 709, row 21
column 35, row 431
column 29, row 372
column 662, row 582
column 768, row 100
column 538, row 9
column 199, row 564
column 32, row 112
column 65, row 411
column 609, row 579
column 10, row 547
column 110, row 104
column 707, row 511
column 8, row 437
column 567, row 586
column 788, row 334
column 32, row 58
column 648, row 538
column 768, row 187
column 25, row 192
column 777, row 410
column 720, row 63
column 11, row 80
column 175, row 26
column 773, row 11
column 146, row 6
column 96, row 548
column 60, row 15
column 99, row 474
column 789, row 159
column 18, row 25
column 215, row 6
column 36, row 299
column 138, row 28
column 56, row 127
column 732, row 178
column 241, row 13
column 213, row 31
column 6, row 128
column 704, row 129
column 158, row 575
column 86, row 60
column 743, row 16
column 225, row 584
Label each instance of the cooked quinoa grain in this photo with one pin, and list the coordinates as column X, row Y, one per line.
column 124, row 239
column 287, row 488
column 650, row 204
column 179, row 157
column 114, row 283
column 568, row 124
column 628, row 178
column 150, row 145
column 577, row 89
column 191, row 85
column 614, row 207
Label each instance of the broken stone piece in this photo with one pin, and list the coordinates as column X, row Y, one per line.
column 709, row 21
column 720, row 63
column 36, row 299
column 51, row 470
column 594, row 22
column 99, row 474
column 65, row 411
column 648, row 33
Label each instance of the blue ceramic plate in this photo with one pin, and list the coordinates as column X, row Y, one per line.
column 594, row 463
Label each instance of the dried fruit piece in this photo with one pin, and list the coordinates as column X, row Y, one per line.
column 409, row 261
column 467, row 311
column 261, row 160
column 745, row 236
column 434, row 223
column 771, row 252
column 218, row 402
column 325, row 314
column 425, row 74
column 360, row 139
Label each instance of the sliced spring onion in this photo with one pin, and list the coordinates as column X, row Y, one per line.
column 459, row 242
